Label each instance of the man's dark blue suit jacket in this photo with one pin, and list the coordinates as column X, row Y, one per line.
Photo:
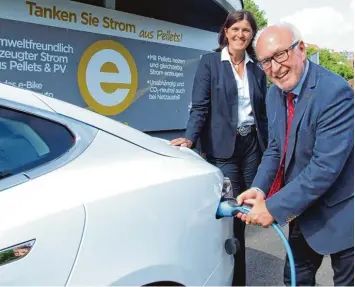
column 319, row 167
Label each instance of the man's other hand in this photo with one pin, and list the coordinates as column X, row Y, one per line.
column 248, row 197
column 259, row 214
column 181, row 142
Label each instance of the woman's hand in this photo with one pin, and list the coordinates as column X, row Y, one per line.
column 181, row 142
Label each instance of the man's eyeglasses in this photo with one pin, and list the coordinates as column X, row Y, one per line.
column 279, row 57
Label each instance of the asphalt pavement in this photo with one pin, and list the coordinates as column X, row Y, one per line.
column 265, row 259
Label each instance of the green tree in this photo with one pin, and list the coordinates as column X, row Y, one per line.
column 260, row 17
column 249, row 5
column 333, row 62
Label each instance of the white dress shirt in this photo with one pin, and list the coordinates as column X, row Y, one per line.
column 245, row 113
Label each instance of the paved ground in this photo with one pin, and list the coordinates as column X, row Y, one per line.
column 265, row 259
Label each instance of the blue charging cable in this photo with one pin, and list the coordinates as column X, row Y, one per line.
column 230, row 208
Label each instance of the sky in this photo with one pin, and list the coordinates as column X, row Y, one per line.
column 326, row 23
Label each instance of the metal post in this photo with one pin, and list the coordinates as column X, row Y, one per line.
column 110, row 4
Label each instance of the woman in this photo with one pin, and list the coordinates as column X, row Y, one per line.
column 228, row 113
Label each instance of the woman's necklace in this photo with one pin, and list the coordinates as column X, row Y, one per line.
column 236, row 65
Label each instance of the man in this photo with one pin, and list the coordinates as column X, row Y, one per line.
column 306, row 177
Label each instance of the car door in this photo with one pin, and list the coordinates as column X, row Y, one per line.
column 40, row 230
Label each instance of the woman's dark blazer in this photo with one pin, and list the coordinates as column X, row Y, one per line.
column 214, row 112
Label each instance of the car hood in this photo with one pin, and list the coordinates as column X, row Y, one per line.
column 111, row 126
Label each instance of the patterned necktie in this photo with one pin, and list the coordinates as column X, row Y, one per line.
column 278, row 182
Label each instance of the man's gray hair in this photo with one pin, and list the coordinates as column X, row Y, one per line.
column 296, row 35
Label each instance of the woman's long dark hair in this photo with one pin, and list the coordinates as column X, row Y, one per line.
column 232, row 18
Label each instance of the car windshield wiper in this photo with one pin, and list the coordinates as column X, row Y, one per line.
column 5, row 174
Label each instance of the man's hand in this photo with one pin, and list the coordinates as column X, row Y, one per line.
column 181, row 142
column 251, row 193
column 249, row 197
column 259, row 214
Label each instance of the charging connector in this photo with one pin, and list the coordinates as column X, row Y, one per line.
column 228, row 207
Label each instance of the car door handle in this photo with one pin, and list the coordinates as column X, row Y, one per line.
column 16, row 252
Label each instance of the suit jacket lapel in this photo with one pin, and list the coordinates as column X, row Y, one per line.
column 230, row 85
column 251, row 82
column 300, row 108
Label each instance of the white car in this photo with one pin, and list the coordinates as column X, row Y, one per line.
column 85, row 200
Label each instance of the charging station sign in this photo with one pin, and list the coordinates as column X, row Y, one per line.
column 134, row 70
